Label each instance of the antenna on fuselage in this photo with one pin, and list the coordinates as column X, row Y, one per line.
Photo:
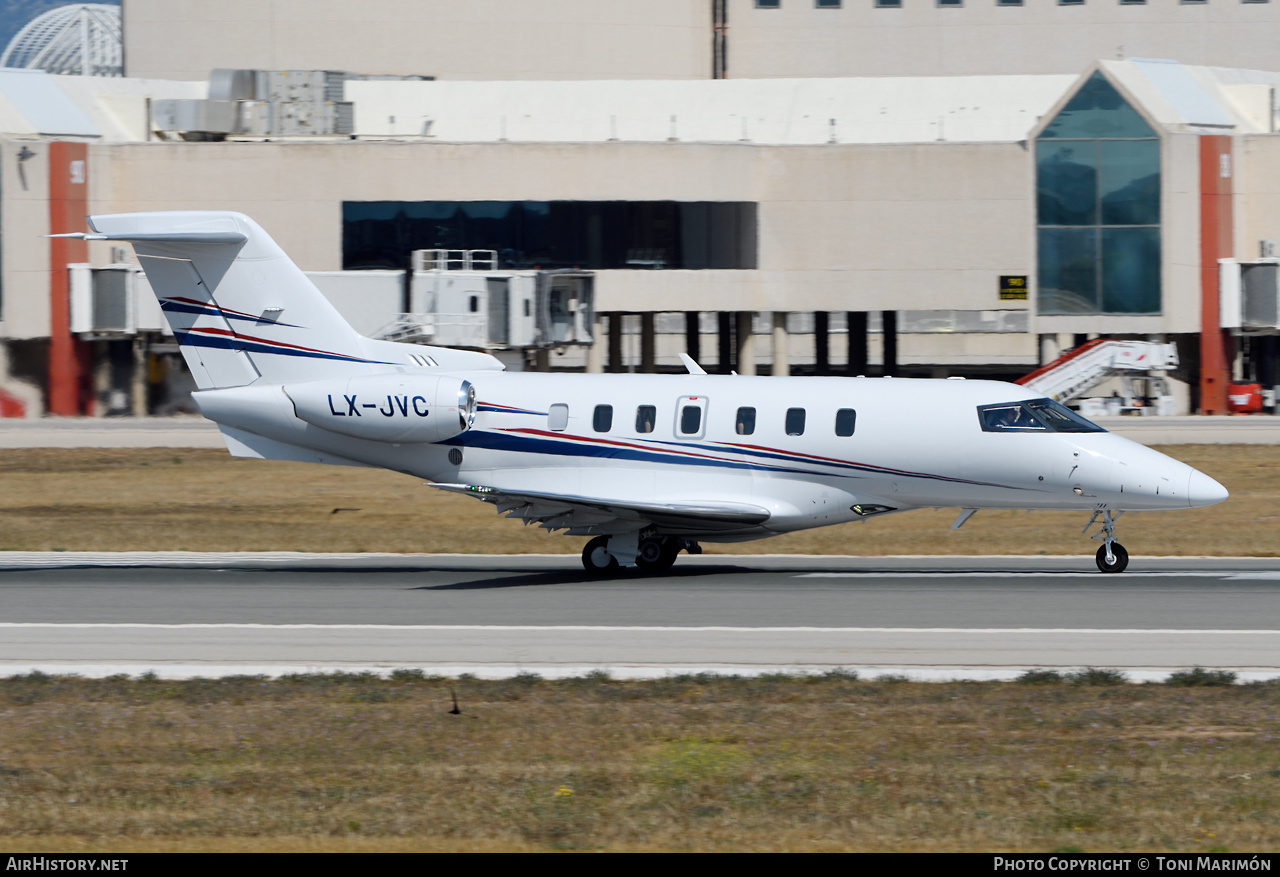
column 692, row 365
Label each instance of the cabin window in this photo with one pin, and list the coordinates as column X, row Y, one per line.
column 746, row 424
column 473, row 304
column 646, row 417
column 690, row 420
column 602, row 419
column 795, row 421
column 558, row 417
column 845, row 419
column 1035, row 415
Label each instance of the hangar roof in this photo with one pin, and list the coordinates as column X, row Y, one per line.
column 758, row 111
column 801, row 111
column 1207, row 99
column 111, row 108
column 762, row 111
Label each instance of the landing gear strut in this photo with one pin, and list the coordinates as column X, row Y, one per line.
column 657, row 553
column 653, row 554
column 1111, row 556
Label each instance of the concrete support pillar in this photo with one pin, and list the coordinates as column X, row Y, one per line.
column 615, row 343
column 857, row 321
column 101, row 360
column 746, row 344
column 1049, row 350
column 890, row 322
column 781, row 359
column 542, row 360
column 821, row 343
column 726, row 342
column 595, row 353
column 138, row 379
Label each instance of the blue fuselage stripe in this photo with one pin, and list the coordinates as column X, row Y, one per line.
column 531, row 445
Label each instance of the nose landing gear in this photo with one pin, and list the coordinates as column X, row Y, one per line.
column 1112, row 556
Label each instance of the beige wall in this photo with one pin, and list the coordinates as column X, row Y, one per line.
column 841, row 227
column 24, row 217
column 922, row 39
column 1258, row 208
column 671, row 39
column 449, row 39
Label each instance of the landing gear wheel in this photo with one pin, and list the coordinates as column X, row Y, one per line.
column 657, row 555
column 596, row 558
column 1121, row 558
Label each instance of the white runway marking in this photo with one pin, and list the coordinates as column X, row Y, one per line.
column 1011, row 574
column 614, row 628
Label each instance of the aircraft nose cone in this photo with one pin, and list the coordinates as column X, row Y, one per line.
column 1203, row 490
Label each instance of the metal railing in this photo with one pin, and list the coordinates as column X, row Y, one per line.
column 455, row 260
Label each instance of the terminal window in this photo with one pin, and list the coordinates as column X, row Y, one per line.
column 639, row 235
column 1098, row 207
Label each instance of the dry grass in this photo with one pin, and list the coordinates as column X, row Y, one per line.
column 829, row 763
column 204, row 500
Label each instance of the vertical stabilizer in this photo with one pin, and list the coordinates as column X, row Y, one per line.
column 239, row 308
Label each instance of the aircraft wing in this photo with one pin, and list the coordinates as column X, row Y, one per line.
column 586, row 515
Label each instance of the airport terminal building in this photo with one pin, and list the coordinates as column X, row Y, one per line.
column 773, row 187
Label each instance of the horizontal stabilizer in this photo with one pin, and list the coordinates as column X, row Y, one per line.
column 177, row 237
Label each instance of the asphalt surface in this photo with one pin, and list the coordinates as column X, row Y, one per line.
column 207, row 615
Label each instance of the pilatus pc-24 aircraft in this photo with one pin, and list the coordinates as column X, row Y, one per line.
column 645, row 465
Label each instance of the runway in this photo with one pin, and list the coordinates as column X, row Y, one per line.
column 182, row 615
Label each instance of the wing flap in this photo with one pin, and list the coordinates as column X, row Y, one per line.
column 587, row 514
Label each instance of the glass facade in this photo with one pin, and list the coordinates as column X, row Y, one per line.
column 1098, row 207
column 554, row 234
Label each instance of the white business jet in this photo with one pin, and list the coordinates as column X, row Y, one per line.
column 646, row 465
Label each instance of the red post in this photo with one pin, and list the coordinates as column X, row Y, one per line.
column 1215, row 243
column 70, row 386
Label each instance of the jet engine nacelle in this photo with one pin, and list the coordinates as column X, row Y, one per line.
column 387, row 408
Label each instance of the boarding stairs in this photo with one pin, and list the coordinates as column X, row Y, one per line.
column 1078, row 371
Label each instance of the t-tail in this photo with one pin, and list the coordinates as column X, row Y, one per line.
column 242, row 311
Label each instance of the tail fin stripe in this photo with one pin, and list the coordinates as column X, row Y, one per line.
column 191, row 306
column 222, row 338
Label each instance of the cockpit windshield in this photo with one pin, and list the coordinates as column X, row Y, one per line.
column 1033, row 415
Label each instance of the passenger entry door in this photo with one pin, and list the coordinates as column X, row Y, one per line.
column 691, row 417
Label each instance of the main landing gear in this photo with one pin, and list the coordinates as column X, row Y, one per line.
column 653, row 554
column 1111, row 556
